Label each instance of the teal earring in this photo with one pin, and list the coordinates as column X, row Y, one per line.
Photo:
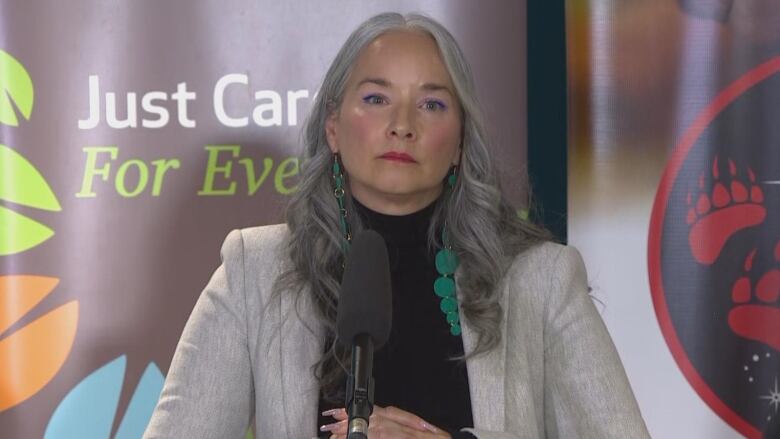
column 452, row 178
column 338, row 192
column 446, row 264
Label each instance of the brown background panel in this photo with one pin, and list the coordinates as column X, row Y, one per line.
column 137, row 265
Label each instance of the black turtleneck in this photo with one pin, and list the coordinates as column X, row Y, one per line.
column 414, row 370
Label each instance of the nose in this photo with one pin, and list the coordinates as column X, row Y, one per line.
column 402, row 125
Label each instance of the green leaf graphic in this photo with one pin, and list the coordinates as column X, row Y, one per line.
column 19, row 233
column 21, row 183
column 16, row 87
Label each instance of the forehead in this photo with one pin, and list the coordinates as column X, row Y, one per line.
column 404, row 54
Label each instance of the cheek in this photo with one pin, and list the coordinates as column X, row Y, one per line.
column 360, row 127
column 357, row 140
column 444, row 139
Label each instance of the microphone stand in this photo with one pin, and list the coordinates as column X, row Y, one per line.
column 360, row 387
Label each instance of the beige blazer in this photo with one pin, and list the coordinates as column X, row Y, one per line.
column 247, row 353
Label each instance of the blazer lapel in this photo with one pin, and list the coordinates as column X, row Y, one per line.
column 300, row 350
column 486, row 377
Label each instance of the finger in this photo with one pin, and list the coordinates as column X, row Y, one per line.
column 337, row 414
column 405, row 418
column 341, row 413
column 342, row 426
column 339, row 427
column 394, row 414
column 378, row 425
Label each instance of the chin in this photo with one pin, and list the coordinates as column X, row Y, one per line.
column 401, row 190
column 397, row 191
column 395, row 185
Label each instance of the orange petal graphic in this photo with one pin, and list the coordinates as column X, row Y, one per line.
column 19, row 294
column 30, row 357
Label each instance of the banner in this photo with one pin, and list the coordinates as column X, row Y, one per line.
column 674, row 192
column 133, row 137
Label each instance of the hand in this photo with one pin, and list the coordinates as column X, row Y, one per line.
column 386, row 423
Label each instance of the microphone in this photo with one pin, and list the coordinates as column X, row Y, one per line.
column 364, row 319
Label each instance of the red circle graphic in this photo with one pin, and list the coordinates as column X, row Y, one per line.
column 670, row 174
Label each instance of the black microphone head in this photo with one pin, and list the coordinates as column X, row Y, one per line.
column 365, row 302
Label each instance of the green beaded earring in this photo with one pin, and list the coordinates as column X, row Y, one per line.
column 446, row 264
column 338, row 192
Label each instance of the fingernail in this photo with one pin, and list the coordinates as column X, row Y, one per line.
column 429, row 427
column 327, row 427
column 333, row 426
column 330, row 412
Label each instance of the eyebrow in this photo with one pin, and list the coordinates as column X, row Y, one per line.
column 436, row 87
column 428, row 86
column 378, row 81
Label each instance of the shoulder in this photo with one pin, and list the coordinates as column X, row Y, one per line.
column 254, row 257
column 546, row 275
column 260, row 235
column 252, row 242
column 546, row 260
column 257, row 254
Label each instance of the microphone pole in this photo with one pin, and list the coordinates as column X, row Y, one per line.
column 360, row 387
column 364, row 320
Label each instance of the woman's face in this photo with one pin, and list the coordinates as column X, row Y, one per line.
column 398, row 126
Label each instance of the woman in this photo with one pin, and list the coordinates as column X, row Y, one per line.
column 395, row 143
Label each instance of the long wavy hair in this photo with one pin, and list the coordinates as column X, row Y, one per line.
column 484, row 230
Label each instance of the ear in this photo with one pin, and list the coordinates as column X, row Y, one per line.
column 330, row 132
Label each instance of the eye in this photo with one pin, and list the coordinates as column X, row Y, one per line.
column 434, row 105
column 374, row 99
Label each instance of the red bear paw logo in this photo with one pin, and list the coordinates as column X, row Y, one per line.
column 718, row 215
column 756, row 315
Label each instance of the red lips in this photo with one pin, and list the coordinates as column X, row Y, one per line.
column 398, row 156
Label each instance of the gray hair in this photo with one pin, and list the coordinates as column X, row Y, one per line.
column 483, row 228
